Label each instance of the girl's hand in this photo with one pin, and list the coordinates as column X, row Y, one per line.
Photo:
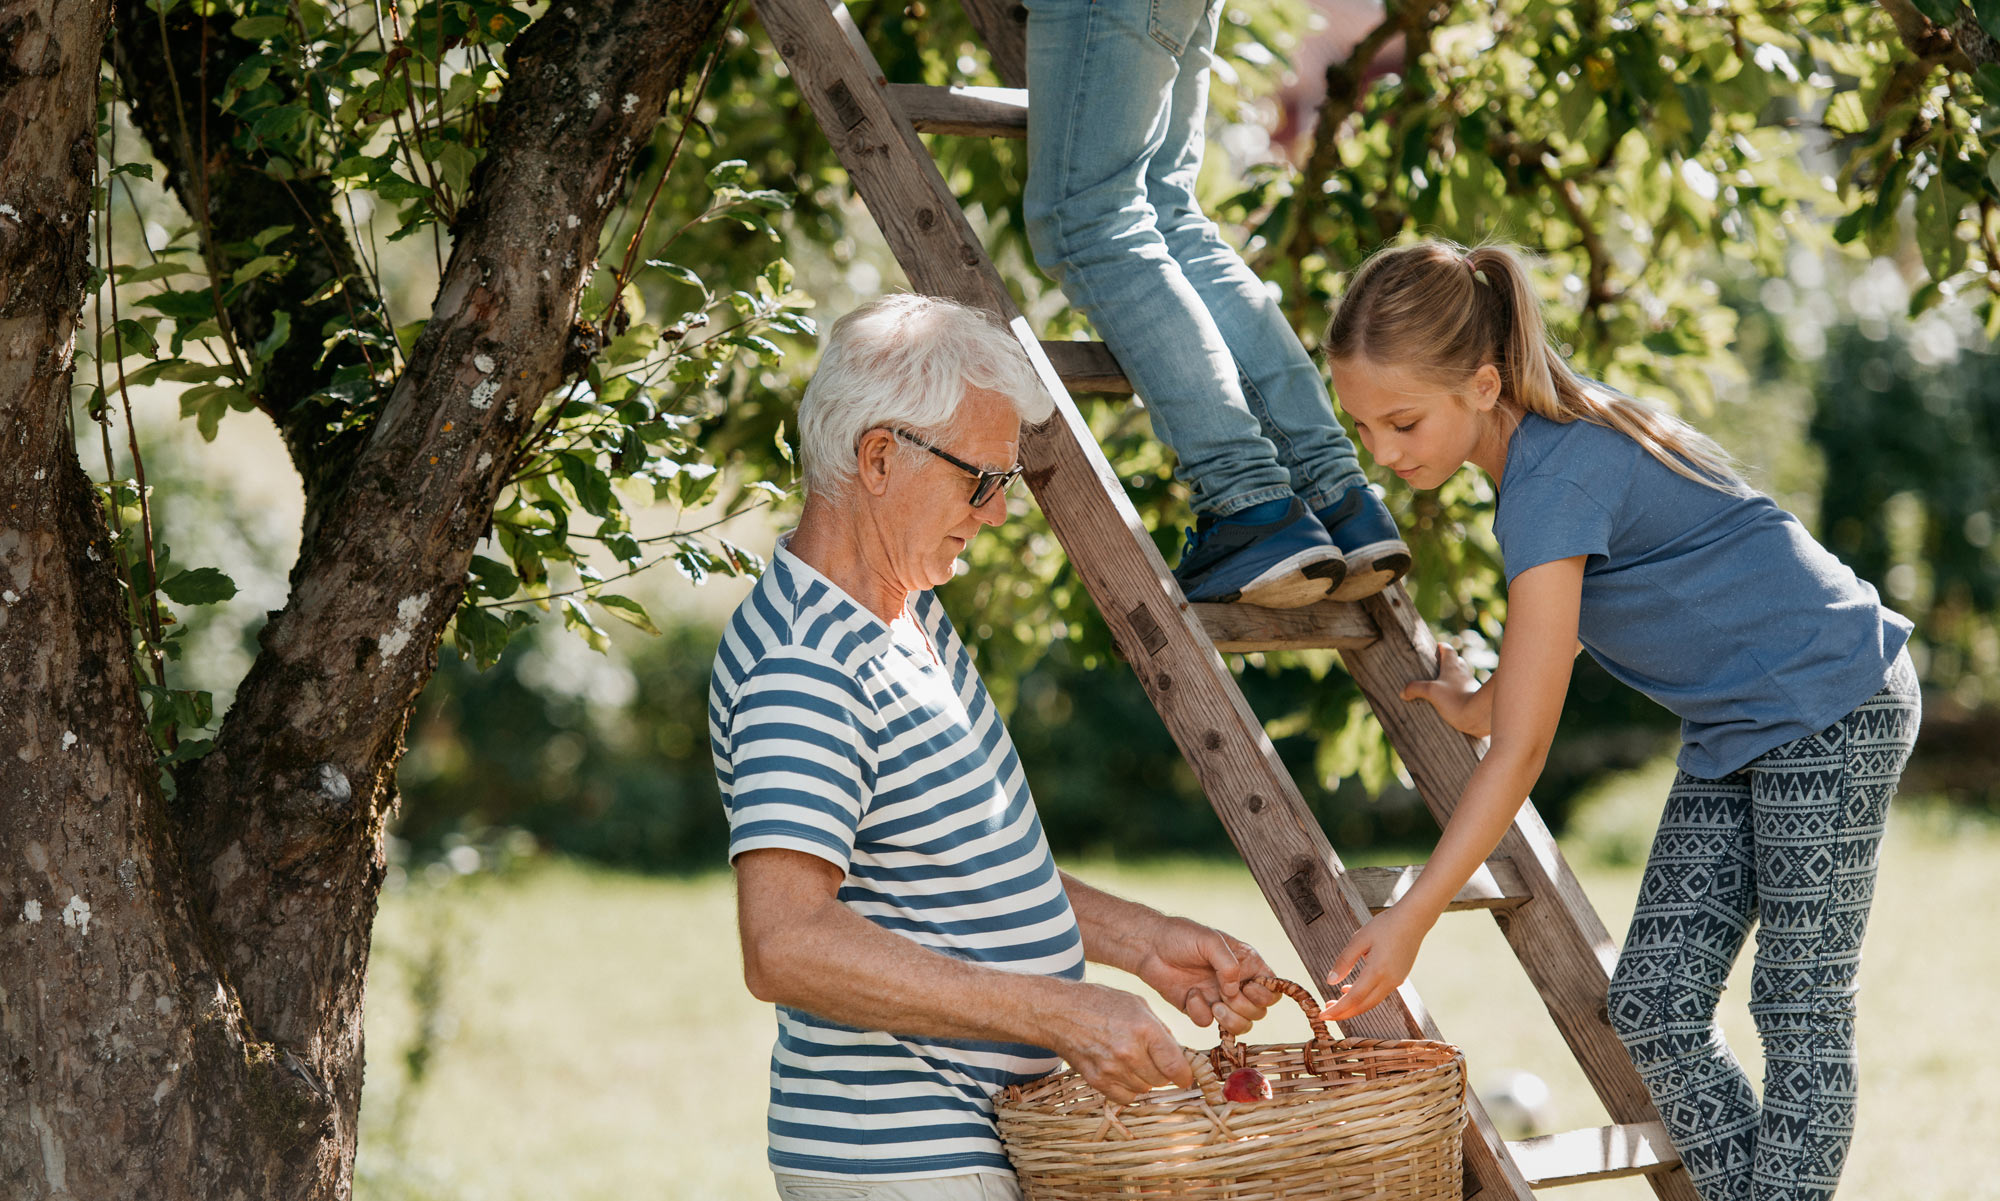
column 1454, row 694
column 1389, row 943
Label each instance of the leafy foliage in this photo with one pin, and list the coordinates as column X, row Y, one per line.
column 385, row 111
column 1648, row 151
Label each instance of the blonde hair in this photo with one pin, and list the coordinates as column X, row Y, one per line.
column 1446, row 311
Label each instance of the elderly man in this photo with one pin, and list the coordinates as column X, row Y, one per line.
column 896, row 896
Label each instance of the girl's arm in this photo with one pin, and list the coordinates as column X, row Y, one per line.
column 1526, row 698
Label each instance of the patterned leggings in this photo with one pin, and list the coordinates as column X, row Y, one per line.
column 1790, row 843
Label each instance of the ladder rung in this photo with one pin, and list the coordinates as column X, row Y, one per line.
column 1597, row 1153
column 1497, row 885
column 967, row 111
column 1328, row 625
column 1087, row 367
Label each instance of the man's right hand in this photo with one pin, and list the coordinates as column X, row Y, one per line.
column 1119, row 1047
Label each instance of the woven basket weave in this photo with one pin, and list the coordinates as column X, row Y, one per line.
column 1348, row 1120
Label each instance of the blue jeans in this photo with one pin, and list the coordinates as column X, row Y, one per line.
column 1119, row 91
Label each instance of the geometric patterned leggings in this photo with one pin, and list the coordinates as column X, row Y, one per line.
column 1789, row 844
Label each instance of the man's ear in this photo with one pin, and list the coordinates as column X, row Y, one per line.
column 875, row 458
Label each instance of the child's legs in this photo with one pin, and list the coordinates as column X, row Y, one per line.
column 1820, row 805
column 1696, row 902
column 1101, row 76
column 1276, row 376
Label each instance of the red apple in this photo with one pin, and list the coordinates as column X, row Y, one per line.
column 1246, row 1084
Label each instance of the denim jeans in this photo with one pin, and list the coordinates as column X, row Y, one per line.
column 1118, row 94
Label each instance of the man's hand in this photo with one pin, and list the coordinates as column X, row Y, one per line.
column 1206, row 974
column 1454, row 694
column 1119, row 1047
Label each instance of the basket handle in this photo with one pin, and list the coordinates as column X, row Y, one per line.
column 1229, row 1053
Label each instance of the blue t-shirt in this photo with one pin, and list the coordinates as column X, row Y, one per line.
column 1720, row 607
column 876, row 748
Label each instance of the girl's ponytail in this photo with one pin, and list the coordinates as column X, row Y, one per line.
column 1439, row 308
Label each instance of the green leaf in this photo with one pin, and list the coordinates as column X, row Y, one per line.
column 592, row 486
column 257, row 29
column 478, row 635
column 281, row 332
column 182, row 306
column 727, row 173
column 492, row 578
column 153, row 271
column 279, row 121
column 1988, row 13
column 128, row 336
column 269, row 234
column 625, row 547
column 627, row 610
column 694, row 561
column 187, row 371
column 577, row 619
column 764, row 347
column 1846, row 114
column 455, row 163
column 695, row 481
column 198, row 586
column 1849, row 227
column 189, row 748
column 142, row 170
column 263, row 264
column 744, row 562
column 1944, row 252
column 679, row 273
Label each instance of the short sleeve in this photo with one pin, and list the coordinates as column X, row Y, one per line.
column 1544, row 518
column 800, row 759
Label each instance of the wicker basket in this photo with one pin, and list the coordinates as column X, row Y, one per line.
column 1348, row 1119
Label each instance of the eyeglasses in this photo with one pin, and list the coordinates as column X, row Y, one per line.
column 990, row 482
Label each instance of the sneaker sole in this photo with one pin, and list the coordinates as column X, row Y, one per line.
column 1288, row 583
column 1372, row 568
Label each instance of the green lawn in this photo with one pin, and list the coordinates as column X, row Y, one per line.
column 593, row 1039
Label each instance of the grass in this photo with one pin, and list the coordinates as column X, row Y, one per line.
column 580, row 1034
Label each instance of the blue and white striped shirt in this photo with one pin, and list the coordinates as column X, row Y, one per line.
column 876, row 748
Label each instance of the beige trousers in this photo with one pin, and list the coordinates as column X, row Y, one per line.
column 975, row 1186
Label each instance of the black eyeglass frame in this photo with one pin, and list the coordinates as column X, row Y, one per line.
column 989, row 483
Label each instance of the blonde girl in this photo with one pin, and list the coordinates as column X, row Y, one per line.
column 1625, row 530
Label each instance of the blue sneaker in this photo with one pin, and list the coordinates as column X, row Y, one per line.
column 1361, row 527
column 1261, row 556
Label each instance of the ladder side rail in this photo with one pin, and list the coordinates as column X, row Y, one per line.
column 1260, row 806
column 1561, row 942
column 1003, row 26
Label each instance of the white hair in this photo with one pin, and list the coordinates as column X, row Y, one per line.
column 904, row 361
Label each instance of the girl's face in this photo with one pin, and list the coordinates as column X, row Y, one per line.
column 1419, row 431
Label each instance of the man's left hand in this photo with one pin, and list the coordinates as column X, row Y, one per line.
column 1207, row 974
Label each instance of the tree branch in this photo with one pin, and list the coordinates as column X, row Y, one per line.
column 1963, row 47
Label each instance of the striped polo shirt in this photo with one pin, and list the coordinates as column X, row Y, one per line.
column 876, row 748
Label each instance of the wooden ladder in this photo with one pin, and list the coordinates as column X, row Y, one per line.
column 1172, row 645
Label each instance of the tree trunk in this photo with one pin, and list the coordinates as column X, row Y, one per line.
column 181, row 986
